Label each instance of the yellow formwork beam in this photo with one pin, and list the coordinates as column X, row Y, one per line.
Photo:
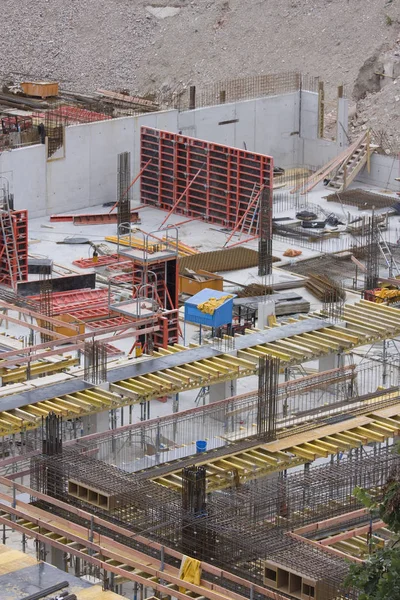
column 294, row 348
column 70, row 406
column 361, row 324
column 370, row 317
column 262, row 352
column 37, row 368
column 291, row 451
column 302, row 452
column 385, row 318
column 380, row 308
column 324, row 345
column 332, row 336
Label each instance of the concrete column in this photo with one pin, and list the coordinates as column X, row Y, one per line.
column 328, row 362
column 265, row 310
column 97, row 423
column 220, row 391
column 55, row 557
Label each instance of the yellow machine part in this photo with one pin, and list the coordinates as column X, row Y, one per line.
column 210, row 306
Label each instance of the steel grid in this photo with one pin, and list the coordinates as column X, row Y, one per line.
column 238, row 528
column 245, row 88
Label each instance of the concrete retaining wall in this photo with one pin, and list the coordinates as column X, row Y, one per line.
column 86, row 173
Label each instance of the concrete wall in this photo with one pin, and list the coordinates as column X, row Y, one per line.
column 86, row 175
column 314, row 151
column 383, row 171
column 266, row 125
column 25, row 171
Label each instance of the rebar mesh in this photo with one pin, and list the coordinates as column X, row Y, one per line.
column 238, row 528
column 245, row 88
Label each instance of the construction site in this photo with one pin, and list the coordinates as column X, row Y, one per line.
column 199, row 342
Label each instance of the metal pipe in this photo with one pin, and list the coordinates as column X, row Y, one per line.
column 47, row 591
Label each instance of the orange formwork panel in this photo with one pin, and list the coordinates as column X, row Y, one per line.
column 102, row 261
column 109, row 322
column 221, row 191
column 82, row 304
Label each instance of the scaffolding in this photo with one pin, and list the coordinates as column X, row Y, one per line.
column 146, row 444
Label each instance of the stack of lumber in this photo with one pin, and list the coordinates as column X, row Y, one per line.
column 324, row 288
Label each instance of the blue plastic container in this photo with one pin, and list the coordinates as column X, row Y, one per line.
column 201, row 446
column 221, row 316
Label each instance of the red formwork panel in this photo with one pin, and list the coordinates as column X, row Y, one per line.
column 83, row 304
column 14, row 268
column 220, row 193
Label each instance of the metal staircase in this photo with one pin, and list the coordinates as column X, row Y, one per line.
column 388, row 256
column 352, row 165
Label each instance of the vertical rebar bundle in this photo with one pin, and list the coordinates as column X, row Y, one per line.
column 194, row 531
column 46, row 301
column 268, row 376
column 372, row 257
column 265, row 233
column 194, row 489
column 123, row 190
column 52, row 442
column 95, row 362
column 333, row 302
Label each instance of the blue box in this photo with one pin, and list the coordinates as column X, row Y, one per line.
column 221, row 316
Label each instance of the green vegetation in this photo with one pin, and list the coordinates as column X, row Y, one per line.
column 379, row 577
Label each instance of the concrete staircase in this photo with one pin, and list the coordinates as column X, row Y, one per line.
column 352, row 165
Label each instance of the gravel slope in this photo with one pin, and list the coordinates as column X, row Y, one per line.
column 119, row 44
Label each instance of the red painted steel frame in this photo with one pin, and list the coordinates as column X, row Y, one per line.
column 9, row 273
column 222, row 190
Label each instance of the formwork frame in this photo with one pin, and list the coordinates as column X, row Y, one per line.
column 222, row 190
column 154, row 268
column 14, row 267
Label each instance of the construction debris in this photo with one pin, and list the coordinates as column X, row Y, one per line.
column 292, row 253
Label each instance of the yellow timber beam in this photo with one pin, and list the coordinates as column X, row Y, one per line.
column 296, row 449
column 37, row 368
column 70, row 406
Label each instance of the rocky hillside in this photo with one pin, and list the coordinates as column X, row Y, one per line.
column 144, row 46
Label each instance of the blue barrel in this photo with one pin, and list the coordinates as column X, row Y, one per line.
column 201, row 446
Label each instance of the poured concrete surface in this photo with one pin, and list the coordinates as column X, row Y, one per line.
column 21, row 575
